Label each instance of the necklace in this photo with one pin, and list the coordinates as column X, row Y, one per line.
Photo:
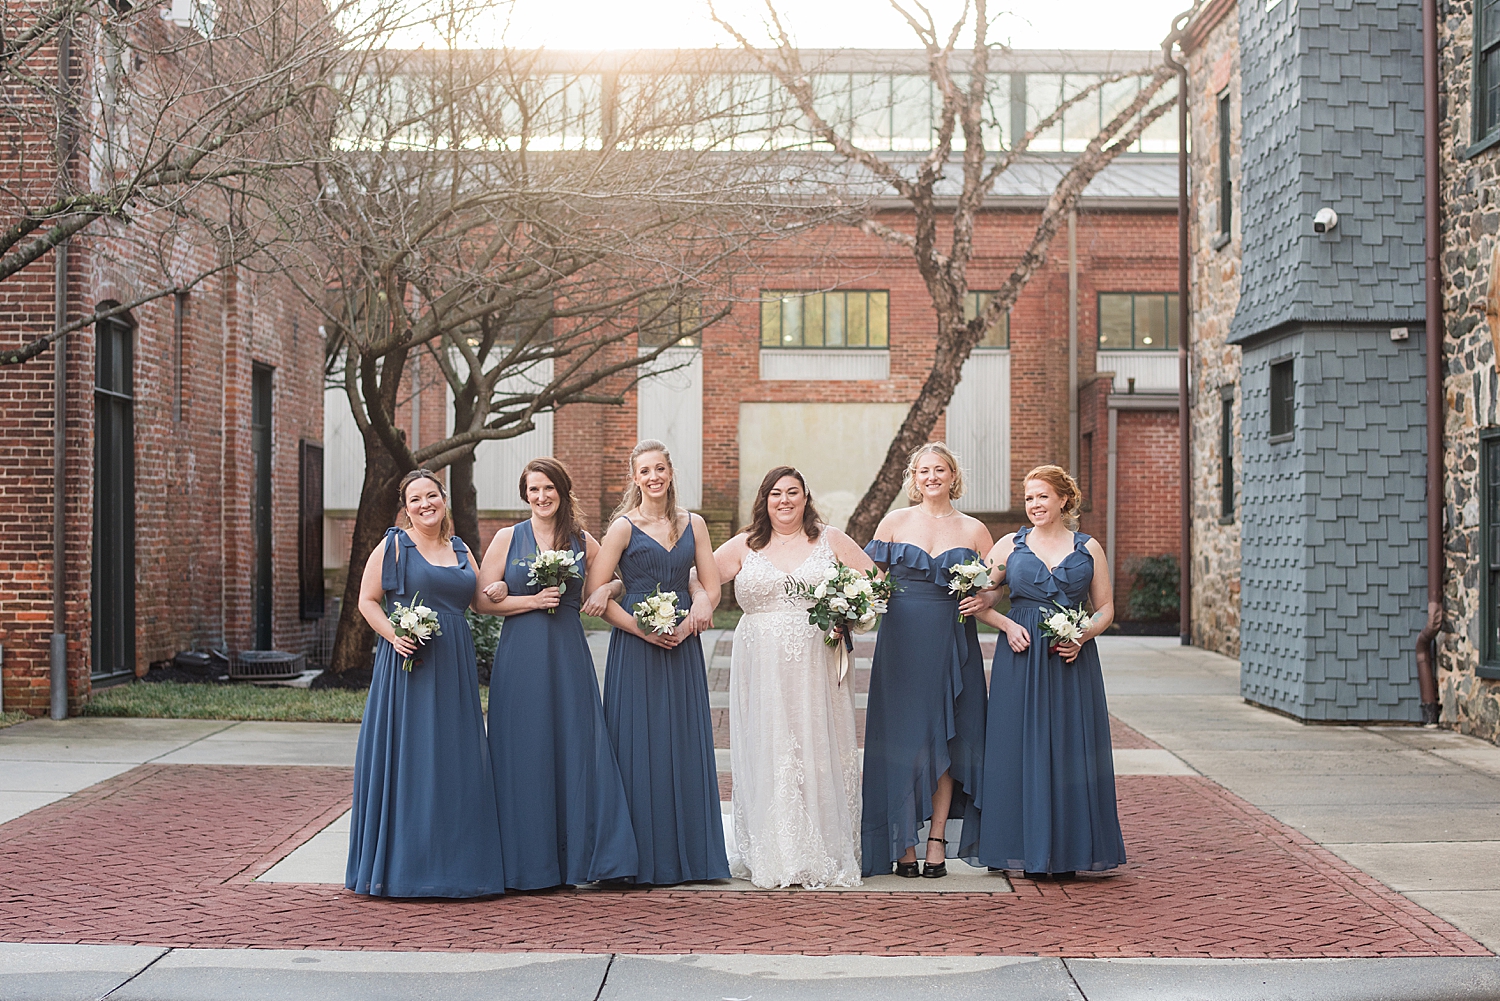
column 785, row 536
column 938, row 517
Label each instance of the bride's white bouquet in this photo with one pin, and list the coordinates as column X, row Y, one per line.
column 1066, row 625
column 964, row 578
column 843, row 600
column 415, row 620
column 657, row 612
column 553, row 568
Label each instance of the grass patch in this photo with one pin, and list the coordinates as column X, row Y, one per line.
column 11, row 719
column 176, row 700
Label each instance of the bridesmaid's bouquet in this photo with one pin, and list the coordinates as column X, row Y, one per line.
column 1066, row 625
column 657, row 612
column 553, row 568
column 416, row 621
column 843, row 600
column 965, row 578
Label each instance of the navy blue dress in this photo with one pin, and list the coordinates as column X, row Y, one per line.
column 656, row 709
column 563, row 817
column 424, row 822
column 1049, row 774
column 926, row 710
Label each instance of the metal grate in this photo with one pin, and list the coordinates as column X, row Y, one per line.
column 258, row 664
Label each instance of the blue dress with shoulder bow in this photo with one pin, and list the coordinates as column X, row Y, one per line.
column 563, row 817
column 424, row 822
column 656, row 709
column 1049, row 772
column 926, row 711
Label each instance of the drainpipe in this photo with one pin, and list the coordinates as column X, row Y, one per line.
column 1436, row 407
column 58, row 682
column 1073, row 345
column 1111, row 477
column 1184, row 320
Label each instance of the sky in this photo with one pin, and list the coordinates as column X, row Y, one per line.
column 671, row 24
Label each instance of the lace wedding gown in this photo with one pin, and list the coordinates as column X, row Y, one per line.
column 792, row 749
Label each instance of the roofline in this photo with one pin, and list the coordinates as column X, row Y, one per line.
column 1200, row 27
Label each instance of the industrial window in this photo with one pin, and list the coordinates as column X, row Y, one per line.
column 1486, row 69
column 310, row 530
column 1226, row 180
column 997, row 336
column 666, row 318
column 1489, row 654
column 1283, row 400
column 1226, row 453
column 824, row 319
column 1137, row 321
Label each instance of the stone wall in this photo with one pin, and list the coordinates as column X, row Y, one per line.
column 1213, row 67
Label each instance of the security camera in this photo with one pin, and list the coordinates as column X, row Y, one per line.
column 1325, row 220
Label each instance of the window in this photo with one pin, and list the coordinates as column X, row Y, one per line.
column 1086, row 468
column 1226, row 453
column 1486, row 69
column 997, row 336
column 1283, row 400
column 1226, row 183
column 1489, row 653
column 310, row 530
column 1137, row 321
column 113, row 583
column 666, row 318
column 824, row 319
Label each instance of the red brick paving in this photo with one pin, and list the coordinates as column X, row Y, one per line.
column 165, row 855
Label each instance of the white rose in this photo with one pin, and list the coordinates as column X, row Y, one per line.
column 422, row 610
column 821, row 591
column 408, row 620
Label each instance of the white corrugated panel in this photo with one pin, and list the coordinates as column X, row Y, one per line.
column 669, row 408
column 979, row 430
column 343, row 453
column 1153, row 371
column 824, row 364
column 498, row 464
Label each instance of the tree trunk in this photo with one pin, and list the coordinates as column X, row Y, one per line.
column 377, row 512
column 464, row 502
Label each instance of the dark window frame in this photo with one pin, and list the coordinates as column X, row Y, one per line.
column 310, row 529
column 1170, row 305
column 1489, row 539
column 770, row 297
column 664, row 319
column 112, row 572
column 1283, row 400
column 976, row 300
column 1226, row 455
column 1485, row 107
column 1226, row 180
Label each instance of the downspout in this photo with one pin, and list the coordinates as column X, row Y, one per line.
column 1111, row 478
column 1184, row 320
column 58, row 681
column 1073, row 345
column 1436, row 406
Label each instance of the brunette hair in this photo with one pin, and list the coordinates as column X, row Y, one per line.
column 909, row 480
column 403, row 520
column 759, row 533
column 567, row 524
column 1060, row 480
column 632, row 496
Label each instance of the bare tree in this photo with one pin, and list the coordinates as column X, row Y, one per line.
column 117, row 111
column 514, row 225
column 962, row 86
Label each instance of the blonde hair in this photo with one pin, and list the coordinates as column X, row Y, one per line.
column 632, row 496
column 403, row 520
column 940, row 449
column 1060, row 480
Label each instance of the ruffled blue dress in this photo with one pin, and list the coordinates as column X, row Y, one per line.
column 926, row 712
column 656, row 709
column 563, row 817
column 424, row 822
column 1049, row 775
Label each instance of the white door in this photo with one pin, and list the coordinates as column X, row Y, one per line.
column 979, row 430
column 669, row 408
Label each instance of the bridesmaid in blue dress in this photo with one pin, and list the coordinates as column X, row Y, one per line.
column 1049, row 778
column 563, row 816
column 924, row 728
column 424, row 822
column 655, row 686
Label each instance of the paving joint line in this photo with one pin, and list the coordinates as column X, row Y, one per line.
column 604, row 980
column 1072, row 979
column 128, row 980
column 228, row 725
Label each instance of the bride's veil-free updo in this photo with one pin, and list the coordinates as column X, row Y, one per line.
column 940, row 449
column 759, row 534
column 632, row 496
column 1061, row 480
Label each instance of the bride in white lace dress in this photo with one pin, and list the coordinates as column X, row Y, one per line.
column 791, row 720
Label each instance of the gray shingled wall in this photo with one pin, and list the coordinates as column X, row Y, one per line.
column 1333, row 541
column 1331, row 116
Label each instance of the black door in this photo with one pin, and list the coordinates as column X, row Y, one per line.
column 260, row 445
column 113, row 584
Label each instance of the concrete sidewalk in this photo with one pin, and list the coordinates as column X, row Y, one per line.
column 139, row 973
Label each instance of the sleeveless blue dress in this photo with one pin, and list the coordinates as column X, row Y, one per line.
column 926, row 710
column 1049, row 774
column 563, row 817
column 424, row 822
column 656, row 709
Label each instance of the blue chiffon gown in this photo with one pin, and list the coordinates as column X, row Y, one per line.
column 656, row 709
column 1049, row 775
column 424, row 822
column 563, row 816
column 925, row 713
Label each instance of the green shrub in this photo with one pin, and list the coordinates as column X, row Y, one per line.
column 486, row 629
column 1153, row 593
